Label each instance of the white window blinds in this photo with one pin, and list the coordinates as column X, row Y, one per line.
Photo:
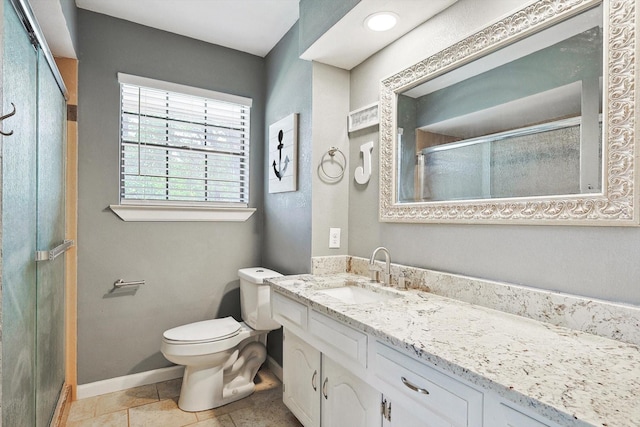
column 182, row 145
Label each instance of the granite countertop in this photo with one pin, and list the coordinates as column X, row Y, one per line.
column 570, row 377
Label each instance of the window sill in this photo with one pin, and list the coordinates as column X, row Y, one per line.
column 180, row 213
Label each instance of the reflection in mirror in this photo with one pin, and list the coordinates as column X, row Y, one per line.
column 523, row 121
column 587, row 181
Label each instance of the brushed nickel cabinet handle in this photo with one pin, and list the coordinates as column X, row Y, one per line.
column 313, row 380
column 324, row 388
column 413, row 386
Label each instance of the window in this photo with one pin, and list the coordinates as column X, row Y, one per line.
column 182, row 146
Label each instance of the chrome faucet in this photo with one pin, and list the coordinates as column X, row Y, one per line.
column 376, row 270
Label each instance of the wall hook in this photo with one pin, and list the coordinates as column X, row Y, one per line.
column 6, row 116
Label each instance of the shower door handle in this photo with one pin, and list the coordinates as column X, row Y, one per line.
column 55, row 252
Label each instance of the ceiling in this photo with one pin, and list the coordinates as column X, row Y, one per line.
column 54, row 26
column 252, row 26
column 349, row 42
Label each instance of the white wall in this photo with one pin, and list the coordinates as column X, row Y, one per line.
column 330, row 197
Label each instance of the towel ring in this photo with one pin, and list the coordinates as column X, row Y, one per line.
column 332, row 158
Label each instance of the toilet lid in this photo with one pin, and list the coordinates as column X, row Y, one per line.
column 205, row 331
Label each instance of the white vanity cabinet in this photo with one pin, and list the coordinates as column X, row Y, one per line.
column 501, row 413
column 302, row 380
column 337, row 375
column 396, row 415
column 320, row 392
column 425, row 395
column 346, row 399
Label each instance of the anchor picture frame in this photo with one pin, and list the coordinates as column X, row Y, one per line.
column 282, row 163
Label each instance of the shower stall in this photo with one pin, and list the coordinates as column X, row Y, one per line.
column 33, row 109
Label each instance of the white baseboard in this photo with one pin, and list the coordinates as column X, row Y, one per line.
column 129, row 381
column 275, row 368
column 149, row 377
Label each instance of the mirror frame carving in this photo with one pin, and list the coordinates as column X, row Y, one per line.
column 616, row 205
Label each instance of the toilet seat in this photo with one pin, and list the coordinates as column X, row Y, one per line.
column 203, row 332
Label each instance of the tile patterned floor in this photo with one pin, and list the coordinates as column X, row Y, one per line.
column 156, row 405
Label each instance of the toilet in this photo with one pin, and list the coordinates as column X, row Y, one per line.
column 222, row 356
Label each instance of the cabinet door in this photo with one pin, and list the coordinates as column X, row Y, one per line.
column 429, row 395
column 301, row 378
column 400, row 416
column 503, row 415
column 347, row 400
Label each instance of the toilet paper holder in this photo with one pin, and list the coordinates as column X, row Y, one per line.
column 122, row 284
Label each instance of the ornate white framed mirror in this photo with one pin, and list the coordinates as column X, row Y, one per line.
column 530, row 120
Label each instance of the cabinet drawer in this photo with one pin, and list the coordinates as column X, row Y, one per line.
column 288, row 312
column 451, row 401
column 340, row 338
column 515, row 418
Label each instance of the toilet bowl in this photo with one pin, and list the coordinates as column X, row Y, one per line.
column 222, row 356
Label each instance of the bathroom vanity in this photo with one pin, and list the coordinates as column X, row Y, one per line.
column 375, row 355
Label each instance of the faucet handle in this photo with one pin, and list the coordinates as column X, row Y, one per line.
column 402, row 282
column 374, row 271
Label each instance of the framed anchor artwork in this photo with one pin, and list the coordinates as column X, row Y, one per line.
column 283, row 154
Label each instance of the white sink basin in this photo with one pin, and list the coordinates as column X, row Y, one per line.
column 357, row 295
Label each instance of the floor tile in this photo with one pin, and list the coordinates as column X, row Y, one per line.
column 272, row 417
column 265, row 380
column 169, row 389
column 233, row 406
column 267, row 411
column 114, row 419
column 156, row 406
column 82, row 409
column 222, row 421
column 126, row 399
column 164, row 413
column 268, row 398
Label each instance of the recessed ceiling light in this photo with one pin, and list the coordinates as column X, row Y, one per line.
column 381, row 21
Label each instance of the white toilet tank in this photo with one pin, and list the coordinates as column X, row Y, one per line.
column 255, row 298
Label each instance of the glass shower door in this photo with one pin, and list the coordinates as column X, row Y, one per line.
column 33, row 219
column 50, row 233
column 19, row 72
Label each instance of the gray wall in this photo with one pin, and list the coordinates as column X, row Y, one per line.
column 287, row 216
column 597, row 262
column 70, row 12
column 190, row 268
column 317, row 16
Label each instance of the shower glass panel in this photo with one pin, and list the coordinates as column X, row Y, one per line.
column 494, row 166
column 33, row 195
column 50, row 233
column 19, row 71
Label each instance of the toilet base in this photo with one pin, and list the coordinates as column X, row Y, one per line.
column 206, row 387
